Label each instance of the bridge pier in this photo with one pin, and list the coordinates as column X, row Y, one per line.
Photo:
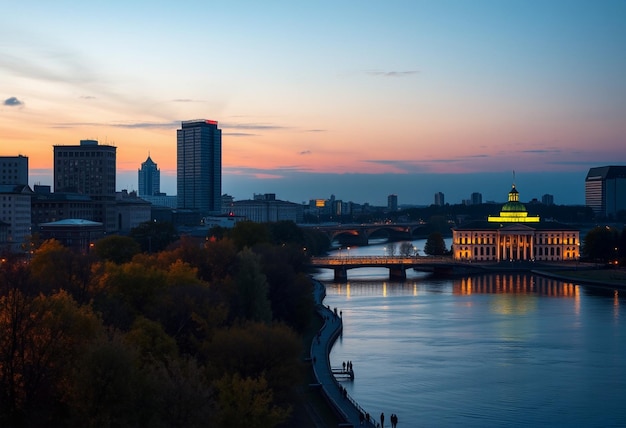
column 397, row 273
column 341, row 274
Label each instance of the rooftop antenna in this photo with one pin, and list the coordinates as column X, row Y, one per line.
column 513, row 178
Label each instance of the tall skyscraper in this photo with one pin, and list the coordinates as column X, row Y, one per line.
column 89, row 169
column 439, row 199
column 199, row 166
column 149, row 179
column 14, row 170
column 605, row 190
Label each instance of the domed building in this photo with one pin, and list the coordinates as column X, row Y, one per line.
column 515, row 236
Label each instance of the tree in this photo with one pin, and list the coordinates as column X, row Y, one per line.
column 407, row 249
column 435, row 245
column 600, row 244
column 154, row 236
column 40, row 339
column 247, row 402
column 248, row 234
column 51, row 266
column 254, row 304
column 116, row 248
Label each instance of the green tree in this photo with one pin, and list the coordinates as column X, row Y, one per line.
column 255, row 349
column 435, row 245
column 248, row 234
column 600, row 244
column 107, row 388
column 154, row 236
column 117, row 249
column 251, row 283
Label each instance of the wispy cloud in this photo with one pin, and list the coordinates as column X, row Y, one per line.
column 129, row 125
column 252, row 126
column 13, row 102
column 404, row 73
column 305, row 152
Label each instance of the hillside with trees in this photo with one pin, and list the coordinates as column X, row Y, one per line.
column 200, row 333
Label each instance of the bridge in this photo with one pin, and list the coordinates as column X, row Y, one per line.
column 397, row 265
column 359, row 234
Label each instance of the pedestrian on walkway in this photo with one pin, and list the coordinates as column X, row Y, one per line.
column 382, row 420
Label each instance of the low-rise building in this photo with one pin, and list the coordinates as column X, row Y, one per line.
column 76, row 234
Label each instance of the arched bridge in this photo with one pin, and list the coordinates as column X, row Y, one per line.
column 397, row 265
column 359, row 234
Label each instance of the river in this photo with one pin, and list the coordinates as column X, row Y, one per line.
column 489, row 351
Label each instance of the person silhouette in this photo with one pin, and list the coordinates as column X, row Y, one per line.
column 382, row 420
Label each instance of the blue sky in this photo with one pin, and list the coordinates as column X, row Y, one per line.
column 359, row 99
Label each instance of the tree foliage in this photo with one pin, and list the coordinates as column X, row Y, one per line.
column 117, row 249
column 203, row 333
column 435, row 245
column 601, row 244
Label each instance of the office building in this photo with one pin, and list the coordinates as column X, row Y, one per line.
column 149, row 179
column 605, row 190
column 547, row 199
column 439, row 199
column 477, row 198
column 199, row 166
column 392, row 203
column 14, row 170
column 515, row 236
column 89, row 169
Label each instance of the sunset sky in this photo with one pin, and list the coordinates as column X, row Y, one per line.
column 359, row 99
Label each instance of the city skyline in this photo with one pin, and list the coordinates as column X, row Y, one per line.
column 356, row 99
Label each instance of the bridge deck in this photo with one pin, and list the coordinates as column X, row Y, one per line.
column 382, row 261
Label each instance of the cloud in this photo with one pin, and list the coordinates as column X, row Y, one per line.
column 252, row 126
column 130, row 125
column 305, row 152
column 542, row 151
column 393, row 73
column 13, row 102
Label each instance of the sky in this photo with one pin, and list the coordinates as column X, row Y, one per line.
column 357, row 99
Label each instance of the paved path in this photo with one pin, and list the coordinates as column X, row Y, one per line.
column 320, row 351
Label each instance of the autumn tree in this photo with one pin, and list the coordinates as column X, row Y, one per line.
column 40, row 339
column 247, row 402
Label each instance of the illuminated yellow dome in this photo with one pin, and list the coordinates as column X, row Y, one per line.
column 513, row 211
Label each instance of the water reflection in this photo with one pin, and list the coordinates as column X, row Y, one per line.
column 502, row 349
column 514, row 284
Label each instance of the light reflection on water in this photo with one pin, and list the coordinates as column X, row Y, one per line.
column 494, row 350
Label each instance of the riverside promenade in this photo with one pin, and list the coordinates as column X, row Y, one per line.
column 321, row 345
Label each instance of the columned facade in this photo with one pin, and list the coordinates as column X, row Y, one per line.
column 526, row 240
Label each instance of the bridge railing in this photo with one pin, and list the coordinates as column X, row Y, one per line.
column 376, row 260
